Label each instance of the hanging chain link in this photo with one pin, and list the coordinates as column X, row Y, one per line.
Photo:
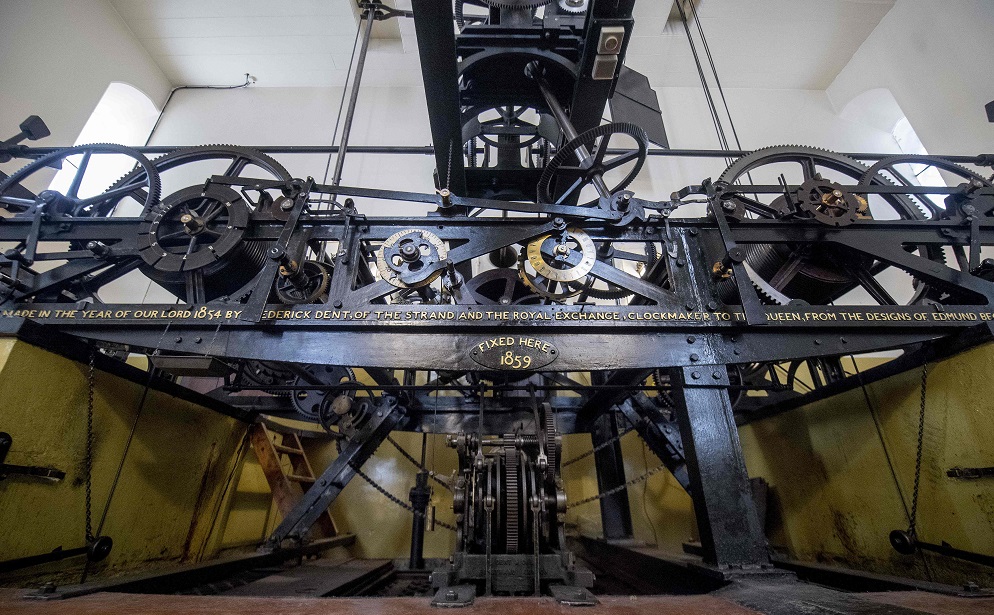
column 398, row 501
column 913, row 521
column 88, row 458
column 610, row 492
column 448, row 172
column 596, row 449
column 417, row 464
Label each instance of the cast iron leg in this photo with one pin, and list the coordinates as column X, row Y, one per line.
column 731, row 535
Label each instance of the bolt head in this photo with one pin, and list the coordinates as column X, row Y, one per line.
column 695, row 375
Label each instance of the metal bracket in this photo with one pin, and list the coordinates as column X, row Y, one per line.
column 7, row 469
column 383, row 417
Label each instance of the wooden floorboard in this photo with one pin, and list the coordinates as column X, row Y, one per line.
column 139, row 604
column 314, row 580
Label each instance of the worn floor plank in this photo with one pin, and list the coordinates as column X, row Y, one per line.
column 936, row 604
column 135, row 604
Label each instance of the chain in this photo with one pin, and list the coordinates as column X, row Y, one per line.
column 913, row 522
column 88, row 459
column 610, row 492
column 398, row 501
column 417, row 464
column 596, row 449
column 448, row 172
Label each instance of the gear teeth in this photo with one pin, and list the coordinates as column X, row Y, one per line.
column 512, row 488
column 517, row 4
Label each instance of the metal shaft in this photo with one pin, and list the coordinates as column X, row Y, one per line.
column 336, row 178
column 567, row 127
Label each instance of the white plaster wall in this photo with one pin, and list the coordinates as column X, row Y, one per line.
column 398, row 116
column 937, row 59
column 57, row 58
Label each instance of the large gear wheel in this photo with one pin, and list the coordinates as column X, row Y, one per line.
column 548, row 264
column 815, row 275
column 147, row 190
column 566, row 167
column 407, row 258
column 238, row 160
column 886, row 168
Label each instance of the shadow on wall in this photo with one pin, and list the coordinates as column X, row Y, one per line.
column 841, row 471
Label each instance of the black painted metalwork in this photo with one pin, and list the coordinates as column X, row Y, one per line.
column 498, row 296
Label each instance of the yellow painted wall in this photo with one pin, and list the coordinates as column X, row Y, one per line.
column 170, row 494
column 834, row 495
column 190, row 487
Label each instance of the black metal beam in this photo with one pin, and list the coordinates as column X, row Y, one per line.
column 296, row 525
column 437, row 48
column 729, row 527
column 76, row 349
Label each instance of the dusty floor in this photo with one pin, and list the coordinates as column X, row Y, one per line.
column 126, row 604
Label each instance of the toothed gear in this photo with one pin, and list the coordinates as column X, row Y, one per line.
column 575, row 8
column 150, row 186
column 565, row 162
column 241, row 157
column 873, row 174
column 553, row 442
column 406, row 259
column 512, row 502
column 782, row 274
column 309, row 285
column 307, row 401
column 517, row 4
column 559, row 271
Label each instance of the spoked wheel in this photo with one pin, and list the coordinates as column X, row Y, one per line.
column 146, row 189
column 571, row 171
column 818, row 274
column 190, row 165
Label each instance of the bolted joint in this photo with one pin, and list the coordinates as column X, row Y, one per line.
column 710, row 376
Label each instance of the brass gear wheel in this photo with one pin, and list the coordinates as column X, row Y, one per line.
column 560, row 267
column 407, row 258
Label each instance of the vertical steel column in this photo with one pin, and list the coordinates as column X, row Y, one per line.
column 336, row 178
column 616, row 514
column 731, row 535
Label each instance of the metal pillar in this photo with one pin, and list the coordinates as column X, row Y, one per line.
column 616, row 514
column 731, row 535
column 336, row 178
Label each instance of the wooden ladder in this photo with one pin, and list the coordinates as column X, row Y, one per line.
column 288, row 472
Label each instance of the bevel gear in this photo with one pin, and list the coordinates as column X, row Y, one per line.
column 407, row 258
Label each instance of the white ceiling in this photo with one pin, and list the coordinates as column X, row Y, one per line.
column 778, row 44
column 794, row 44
